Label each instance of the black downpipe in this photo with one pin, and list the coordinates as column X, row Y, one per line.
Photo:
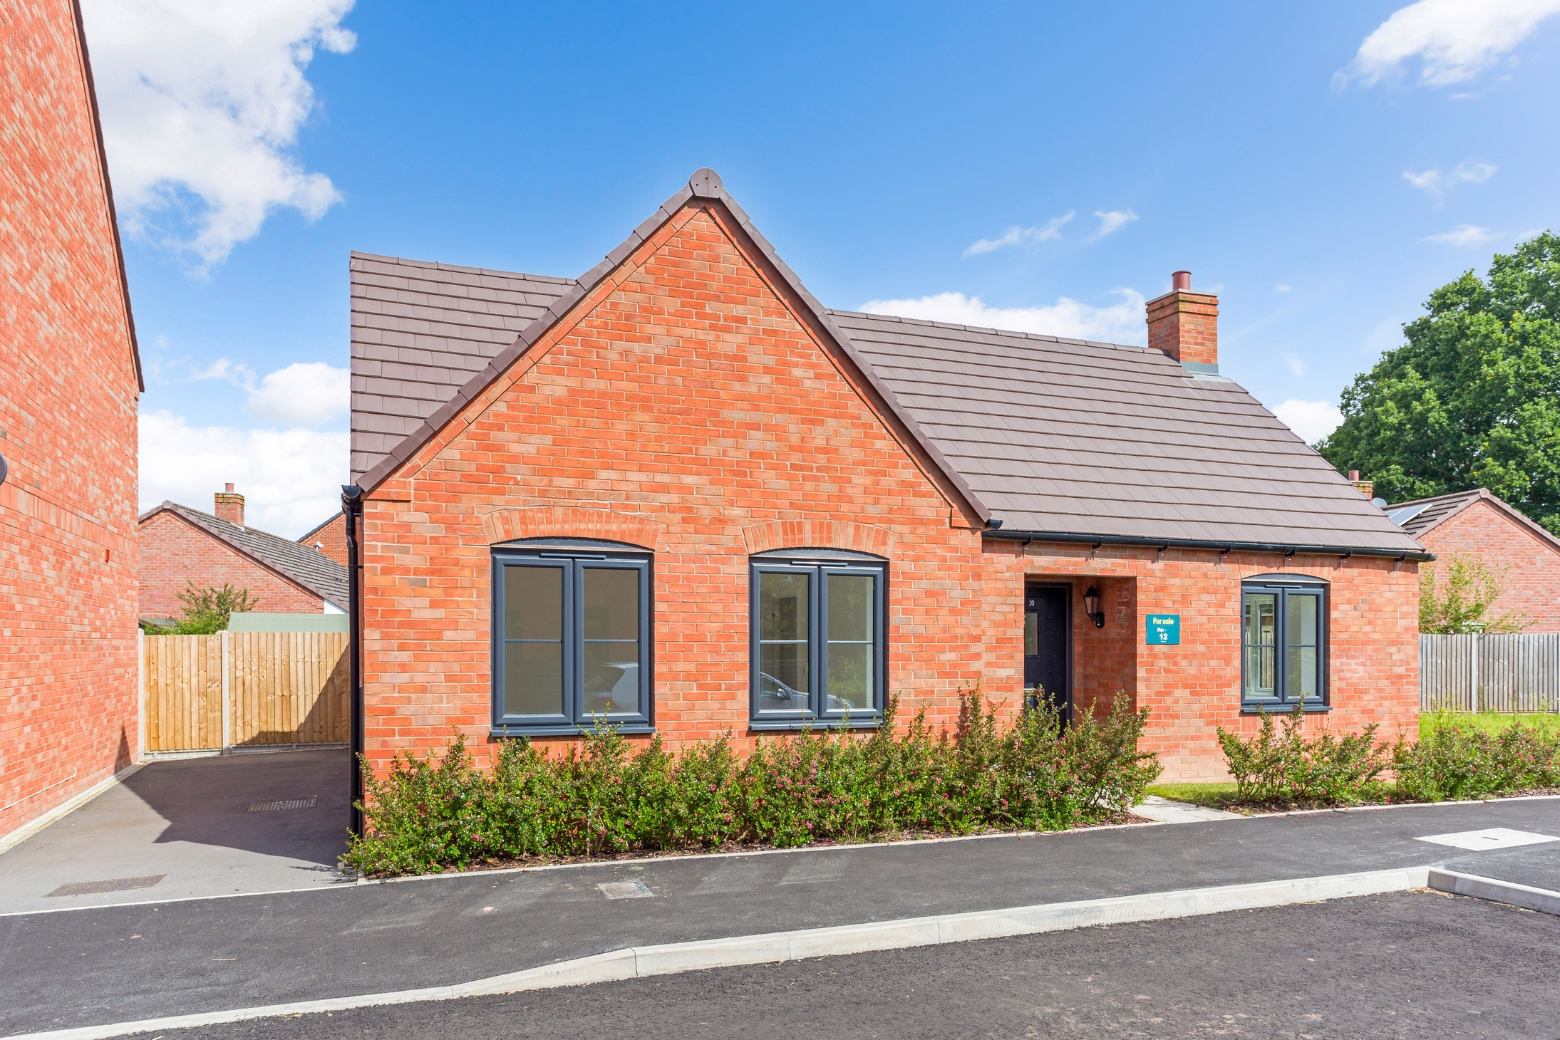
column 352, row 509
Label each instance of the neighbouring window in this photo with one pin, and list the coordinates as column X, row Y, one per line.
column 819, row 649
column 1283, row 643
column 571, row 638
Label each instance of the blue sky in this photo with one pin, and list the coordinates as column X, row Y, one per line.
column 1321, row 167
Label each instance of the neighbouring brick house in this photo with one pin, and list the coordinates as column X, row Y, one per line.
column 70, row 377
column 1479, row 524
column 679, row 493
column 329, row 538
column 181, row 546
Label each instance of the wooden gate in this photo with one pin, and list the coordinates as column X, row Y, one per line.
column 244, row 689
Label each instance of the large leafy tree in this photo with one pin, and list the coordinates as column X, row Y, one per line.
column 1472, row 399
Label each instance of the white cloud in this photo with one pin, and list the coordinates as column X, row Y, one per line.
column 1463, row 235
column 1281, row 287
column 305, row 393
column 1113, row 220
column 1118, row 323
column 1051, row 229
column 290, row 479
column 1296, row 364
column 1434, row 183
column 1455, row 40
column 1311, row 420
column 201, row 102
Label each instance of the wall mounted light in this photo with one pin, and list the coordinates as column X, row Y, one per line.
column 1091, row 607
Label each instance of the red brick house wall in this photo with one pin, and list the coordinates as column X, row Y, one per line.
column 332, row 537
column 69, row 383
column 175, row 551
column 685, row 407
column 1530, row 561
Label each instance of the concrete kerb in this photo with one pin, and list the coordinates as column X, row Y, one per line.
column 1539, row 899
column 778, row 947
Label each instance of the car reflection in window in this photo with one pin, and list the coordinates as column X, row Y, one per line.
column 772, row 693
column 612, row 687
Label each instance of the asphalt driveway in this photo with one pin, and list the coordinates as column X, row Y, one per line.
column 188, row 825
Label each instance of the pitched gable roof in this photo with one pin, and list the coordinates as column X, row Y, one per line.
column 1048, row 435
column 1423, row 515
column 301, row 564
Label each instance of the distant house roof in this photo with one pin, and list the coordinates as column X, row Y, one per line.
column 1047, row 435
column 301, row 563
column 307, row 537
column 1423, row 515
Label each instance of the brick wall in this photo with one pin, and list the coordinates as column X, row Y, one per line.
column 684, row 407
column 175, row 551
column 332, row 538
column 68, row 391
column 1531, row 563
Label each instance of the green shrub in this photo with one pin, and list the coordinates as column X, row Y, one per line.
column 1289, row 769
column 1456, row 758
column 600, row 797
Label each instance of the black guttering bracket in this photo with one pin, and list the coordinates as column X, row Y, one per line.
column 1212, row 546
column 352, row 509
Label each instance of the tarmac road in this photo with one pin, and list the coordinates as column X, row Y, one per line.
column 1406, row 965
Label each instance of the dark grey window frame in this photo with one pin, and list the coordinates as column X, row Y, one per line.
column 573, row 556
column 819, row 562
column 1284, row 586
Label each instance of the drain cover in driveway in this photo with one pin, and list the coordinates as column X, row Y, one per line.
column 625, row 890
column 1491, row 838
column 85, row 888
column 291, row 803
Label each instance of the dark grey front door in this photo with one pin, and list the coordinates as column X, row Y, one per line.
column 1047, row 643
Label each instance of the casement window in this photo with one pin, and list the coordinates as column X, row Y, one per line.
column 1283, row 634
column 819, row 647
column 571, row 638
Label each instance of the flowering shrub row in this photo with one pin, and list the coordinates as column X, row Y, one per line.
column 1452, row 760
column 603, row 797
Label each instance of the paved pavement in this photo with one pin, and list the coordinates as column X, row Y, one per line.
column 188, row 821
column 175, row 958
column 1409, row 965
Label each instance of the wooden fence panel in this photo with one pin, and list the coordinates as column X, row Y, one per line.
column 183, row 692
column 281, row 688
column 1513, row 673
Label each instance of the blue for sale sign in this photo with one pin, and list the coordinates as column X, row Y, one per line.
column 1164, row 630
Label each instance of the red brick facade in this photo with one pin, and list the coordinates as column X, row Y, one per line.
column 688, row 406
column 175, row 551
column 1531, row 561
column 68, row 391
column 331, row 538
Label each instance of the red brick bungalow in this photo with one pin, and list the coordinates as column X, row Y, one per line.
column 70, row 377
column 181, row 546
column 681, row 493
column 1481, row 525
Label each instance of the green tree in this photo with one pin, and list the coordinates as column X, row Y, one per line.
column 206, row 611
column 1472, row 399
column 1461, row 603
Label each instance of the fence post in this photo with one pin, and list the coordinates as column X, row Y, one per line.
column 140, row 694
column 227, row 692
column 1473, row 665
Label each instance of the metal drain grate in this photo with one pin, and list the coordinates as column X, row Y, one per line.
column 288, row 803
column 85, row 888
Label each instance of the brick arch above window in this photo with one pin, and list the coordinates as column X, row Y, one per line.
column 818, row 534
column 507, row 525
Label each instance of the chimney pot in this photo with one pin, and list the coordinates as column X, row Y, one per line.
column 229, row 506
column 1185, row 325
column 1354, row 474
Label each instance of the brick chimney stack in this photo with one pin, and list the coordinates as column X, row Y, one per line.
column 230, row 507
column 1364, row 487
column 1185, row 325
